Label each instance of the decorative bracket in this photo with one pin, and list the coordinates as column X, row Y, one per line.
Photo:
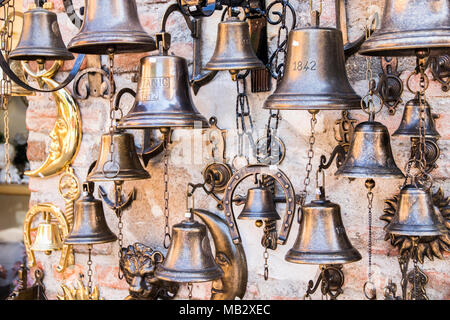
column 432, row 152
column 120, row 201
column 440, row 69
column 390, row 86
column 331, row 280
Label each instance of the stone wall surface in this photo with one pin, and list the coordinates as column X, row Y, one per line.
column 144, row 221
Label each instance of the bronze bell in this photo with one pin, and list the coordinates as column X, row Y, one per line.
column 48, row 238
column 111, row 25
column 163, row 97
column 89, row 225
column 124, row 164
column 411, row 120
column 40, row 38
column 416, row 214
column 322, row 238
column 234, row 51
column 315, row 77
column 189, row 258
column 411, row 25
column 370, row 153
column 259, row 205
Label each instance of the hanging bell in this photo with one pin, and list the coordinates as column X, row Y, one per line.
column 111, row 25
column 259, row 205
column 370, row 153
column 410, row 123
column 40, row 38
column 189, row 258
column 163, row 97
column 122, row 164
column 408, row 26
column 416, row 214
column 89, row 225
column 234, row 51
column 314, row 77
column 48, row 238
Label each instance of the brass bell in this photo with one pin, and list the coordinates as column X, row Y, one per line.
column 234, row 51
column 40, row 38
column 48, row 238
column 111, row 25
column 370, row 153
column 322, row 238
column 315, row 77
column 410, row 123
column 163, row 97
column 259, row 205
column 189, row 258
column 89, row 225
column 121, row 165
column 411, row 25
column 416, row 214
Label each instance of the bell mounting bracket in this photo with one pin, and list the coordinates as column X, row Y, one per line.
column 390, row 86
column 440, row 69
column 120, row 201
column 331, row 280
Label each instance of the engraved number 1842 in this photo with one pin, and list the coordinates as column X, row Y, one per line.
column 308, row 65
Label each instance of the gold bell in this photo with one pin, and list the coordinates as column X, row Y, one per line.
column 89, row 225
column 40, row 38
column 189, row 258
column 411, row 25
column 259, row 205
column 234, row 51
column 416, row 214
column 48, row 238
column 122, row 164
column 111, row 25
column 315, row 77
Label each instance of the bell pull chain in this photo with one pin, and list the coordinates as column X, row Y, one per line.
column 89, row 273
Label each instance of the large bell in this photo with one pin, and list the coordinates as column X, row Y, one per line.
column 410, row 123
column 259, row 205
column 416, row 214
column 322, row 238
column 163, row 97
column 111, row 25
column 370, row 153
column 48, row 238
column 410, row 25
column 315, row 77
column 40, row 38
column 89, row 225
column 234, row 51
column 124, row 165
column 189, row 258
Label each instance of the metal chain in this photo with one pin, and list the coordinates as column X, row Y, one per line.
column 244, row 121
column 309, row 167
column 167, row 236
column 120, row 239
column 89, row 272
column 369, row 246
column 190, row 287
column 282, row 40
column 266, row 265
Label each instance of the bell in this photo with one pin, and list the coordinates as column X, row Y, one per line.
column 315, row 77
column 111, row 25
column 163, row 97
column 416, row 214
column 370, row 153
column 189, row 258
column 48, row 238
column 411, row 120
column 40, row 38
column 259, row 205
column 234, row 51
column 411, row 25
column 322, row 238
column 89, row 225
column 124, row 165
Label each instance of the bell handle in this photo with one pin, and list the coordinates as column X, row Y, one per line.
column 350, row 48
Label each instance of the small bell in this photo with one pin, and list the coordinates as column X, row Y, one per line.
column 416, row 214
column 90, row 225
column 234, row 51
column 259, row 205
column 48, row 238
column 411, row 120
column 121, row 165
column 189, row 258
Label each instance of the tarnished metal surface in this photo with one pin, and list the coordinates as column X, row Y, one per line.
column 259, row 205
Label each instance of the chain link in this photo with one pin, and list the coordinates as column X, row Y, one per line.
column 266, row 265
column 89, row 272
column 309, row 167
column 190, row 287
column 369, row 245
column 167, row 236
column 244, row 121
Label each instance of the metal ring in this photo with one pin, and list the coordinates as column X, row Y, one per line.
column 373, row 294
column 237, row 158
column 427, row 82
column 116, row 173
column 366, row 106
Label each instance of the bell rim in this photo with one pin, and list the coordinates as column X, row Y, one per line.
column 223, row 65
column 33, row 53
column 415, row 134
column 244, row 216
column 302, row 257
column 213, row 273
column 47, row 249
column 360, row 172
column 74, row 240
column 399, row 229
column 133, row 122
column 97, row 176
column 315, row 102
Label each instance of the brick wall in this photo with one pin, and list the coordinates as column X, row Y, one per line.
column 144, row 221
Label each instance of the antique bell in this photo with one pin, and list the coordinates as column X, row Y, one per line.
column 40, row 38
column 259, row 205
column 111, row 25
column 89, row 225
column 408, row 26
column 48, row 238
column 370, row 153
column 315, row 77
column 189, row 258
column 121, row 165
column 416, row 214
column 410, row 123
column 234, row 51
